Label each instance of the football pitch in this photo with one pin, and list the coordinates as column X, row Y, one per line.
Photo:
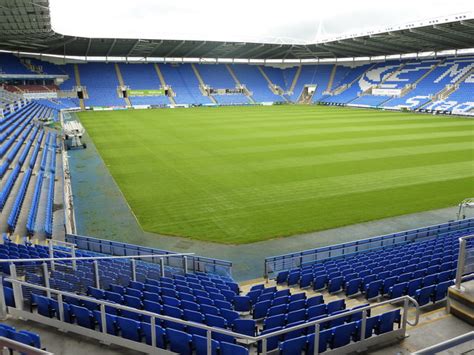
column 245, row 174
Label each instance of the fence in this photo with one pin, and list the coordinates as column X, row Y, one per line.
column 18, row 310
column 195, row 263
column 465, row 268
column 279, row 263
column 21, row 348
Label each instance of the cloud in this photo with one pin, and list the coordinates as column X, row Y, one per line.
column 246, row 20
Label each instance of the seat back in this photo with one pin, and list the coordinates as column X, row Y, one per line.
column 293, row 346
column 180, row 342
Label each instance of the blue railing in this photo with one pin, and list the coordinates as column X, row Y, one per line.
column 194, row 263
column 279, row 263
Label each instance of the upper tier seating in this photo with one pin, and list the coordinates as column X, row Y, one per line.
column 11, row 64
column 101, row 82
column 184, row 83
column 143, row 77
column 250, row 76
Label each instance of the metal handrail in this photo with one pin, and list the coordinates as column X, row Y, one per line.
column 252, row 339
column 81, row 258
column 461, row 260
column 445, row 345
column 22, row 348
column 290, row 257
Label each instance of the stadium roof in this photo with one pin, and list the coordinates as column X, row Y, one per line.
column 25, row 26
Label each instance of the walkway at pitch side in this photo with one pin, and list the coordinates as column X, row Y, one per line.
column 102, row 212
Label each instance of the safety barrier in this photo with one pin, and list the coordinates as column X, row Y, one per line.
column 279, row 263
column 195, row 263
column 17, row 309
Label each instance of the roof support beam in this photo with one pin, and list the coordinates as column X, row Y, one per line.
column 268, row 50
column 454, row 32
column 133, row 48
column 195, row 49
column 59, row 45
column 250, row 50
column 88, row 46
column 171, row 52
column 336, row 48
column 282, row 53
column 352, row 44
column 157, row 45
column 467, row 24
column 111, row 47
column 384, row 46
column 447, row 42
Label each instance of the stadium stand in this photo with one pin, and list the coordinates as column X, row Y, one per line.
column 419, row 268
column 130, row 296
column 20, row 160
column 431, row 84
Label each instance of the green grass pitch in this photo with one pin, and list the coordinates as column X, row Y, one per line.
column 245, row 174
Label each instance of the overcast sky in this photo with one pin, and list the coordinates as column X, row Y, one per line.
column 299, row 21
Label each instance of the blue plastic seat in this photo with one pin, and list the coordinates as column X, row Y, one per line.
column 306, row 280
column 319, row 282
column 280, row 300
column 386, row 321
column 316, row 311
column 274, row 321
column 215, row 321
column 229, row 315
column 223, row 304
column 254, row 295
column 260, row 310
column 353, row 287
column 441, row 290
column 423, row 295
column 134, row 292
column 372, row 290
column 397, row 290
column 335, row 284
column 244, row 326
column 334, row 306
column 387, row 283
column 272, row 342
column 370, row 325
column 117, row 289
column 413, row 286
column 242, row 303
column 294, row 278
column 342, row 334
column 206, row 309
column 180, row 342
column 44, row 306
column 314, row 301
column 296, row 316
column 152, row 307
column 200, row 345
column 325, row 337
column 296, row 305
column 232, row 349
column 293, row 346
column 277, row 310
column 111, row 321
column 84, row 317
column 282, row 277
column 159, row 333
column 444, row 276
column 429, row 280
column 129, row 328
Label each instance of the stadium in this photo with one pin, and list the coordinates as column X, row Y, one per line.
column 174, row 195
